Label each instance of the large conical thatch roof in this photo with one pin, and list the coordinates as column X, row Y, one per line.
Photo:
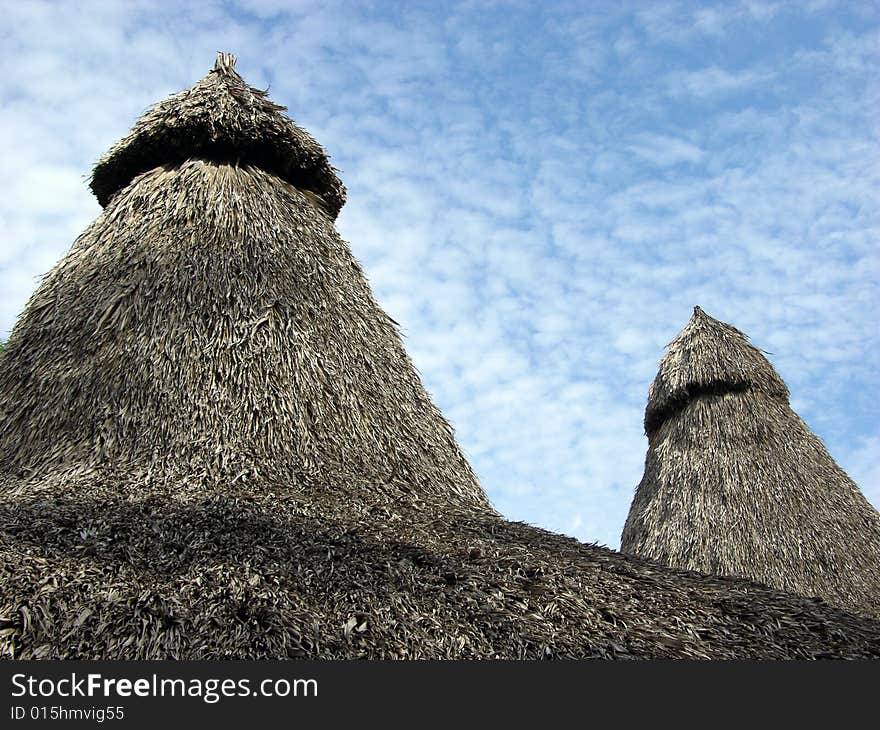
column 212, row 444
column 736, row 484
column 211, row 324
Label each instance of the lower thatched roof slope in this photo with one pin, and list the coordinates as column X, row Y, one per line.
column 735, row 482
column 96, row 567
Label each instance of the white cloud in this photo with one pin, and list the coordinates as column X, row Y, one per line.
column 663, row 151
column 712, row 81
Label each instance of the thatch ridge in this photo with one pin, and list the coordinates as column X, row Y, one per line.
column 221, row 118
column 735, row 483
column 277, row 573
column 213, row 445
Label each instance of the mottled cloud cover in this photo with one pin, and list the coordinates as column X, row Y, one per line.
column 539, row 194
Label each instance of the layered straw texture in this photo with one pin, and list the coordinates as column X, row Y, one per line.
column 736, row 484
column 213, row 444
column 211, row 325
column 221, row 118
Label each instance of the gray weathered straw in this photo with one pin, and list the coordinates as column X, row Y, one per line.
column 213, row 444
column 736, row 484
column 223, row 119
column 210, row 324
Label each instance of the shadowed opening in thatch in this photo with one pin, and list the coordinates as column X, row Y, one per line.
column 655, row 417
column 174, row 150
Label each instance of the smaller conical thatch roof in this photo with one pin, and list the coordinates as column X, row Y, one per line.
column 736, row 484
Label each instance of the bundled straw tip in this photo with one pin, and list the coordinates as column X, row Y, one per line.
column 225, row 62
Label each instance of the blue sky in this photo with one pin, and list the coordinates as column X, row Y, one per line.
column 539, row 193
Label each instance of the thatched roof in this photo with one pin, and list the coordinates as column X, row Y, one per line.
column 213, row 444
column 223, row 119
column 109, row 570
column 735, row 483
column 211, row 324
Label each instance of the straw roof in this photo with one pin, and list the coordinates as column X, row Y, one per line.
column 213, row 444
column 736, row 484
column 221, row 118
column 211, row 324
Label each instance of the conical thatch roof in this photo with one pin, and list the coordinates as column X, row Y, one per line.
column 212, row 444
column 211, row 324
column 736, row 484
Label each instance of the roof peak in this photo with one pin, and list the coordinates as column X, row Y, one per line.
column 221, row 118
column 708, row 357
column 225, row 62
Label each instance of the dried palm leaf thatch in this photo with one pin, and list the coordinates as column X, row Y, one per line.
column 221, row 118
column 110, row 569
column 212, row 444
column 211, row 324
column 736, row 484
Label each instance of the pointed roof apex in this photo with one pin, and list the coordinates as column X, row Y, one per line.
column 225, row 62
column 221, row 118
column 708, row 357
